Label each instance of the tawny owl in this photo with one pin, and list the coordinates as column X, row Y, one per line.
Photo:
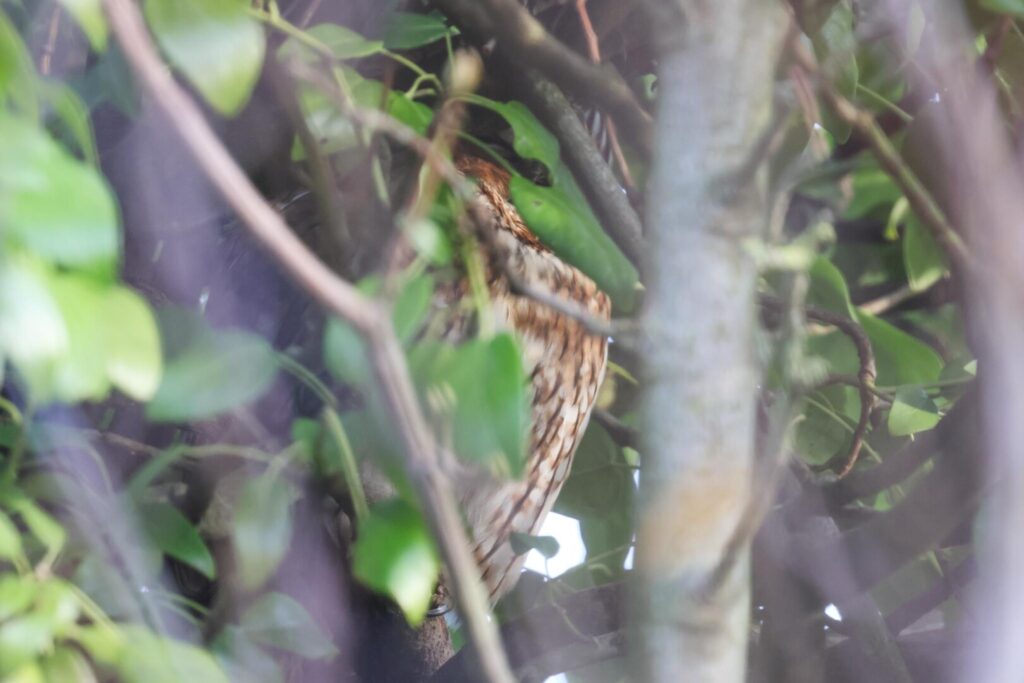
column 565, row 363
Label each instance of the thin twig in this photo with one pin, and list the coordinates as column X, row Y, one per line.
column 594, row 50
column 343, row 299
column 866, row 379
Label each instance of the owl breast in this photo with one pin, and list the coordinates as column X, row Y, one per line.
column 565, row 364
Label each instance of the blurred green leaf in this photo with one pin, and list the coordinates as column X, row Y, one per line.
column 89, row 15
column 148, row 658
column 524, row 543
column 836, row 48
column 828, row 288
column 57, row 603
column 278, row 620
column 70, row 112
column 405, row 30
column 32, row 330
column 262, row 528
column 416, row 115
column 66, row 664
column 17, row 72
column 345, row 353
column 215, row 43
column 172, row 533
column 10, row 540
column 133, row 360
column 479, row 390
column 395, row 555
column 411, row 306
column 599, row 490
column 81, row 373
column 23, row 638
column 873, row 189
column 16, row 594
column 44, row 527
column 53, row 204
column 343, row 42
column 430, row 242
column 912, row 411
column 207, row 371
column 243, row 659
column 825, row 430
column 923, row 258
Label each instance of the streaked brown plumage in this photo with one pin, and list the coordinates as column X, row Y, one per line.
column 565, row 363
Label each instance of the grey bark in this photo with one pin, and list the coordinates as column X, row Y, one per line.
column 715, row 84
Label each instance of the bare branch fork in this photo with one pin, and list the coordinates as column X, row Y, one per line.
column 342, row 299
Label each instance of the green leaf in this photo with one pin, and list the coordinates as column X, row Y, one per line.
column 148, row 658
column 173, row 534
column 81, row 373
column 215, row 43
column 134, row 362
column 406, row 30
column 278, row 620
column 207, row 371
column 923, row 258
column 343, row 43
column 524, row 543
column 17, row 72
column 58, row 604
column 17, row 593
column 411, row 306
column 32, row 330
column 900, row 358
column 345, row 353
column 599, row 493
column 72, row 114
column 416, row 115
column 569, row 228
column 45, row 528
column 22, row 639
column 531, row 140
column 262, row 528
column 836, row 47
column 912, row 411
column 430, row 242
column 478, row 390
column 243, row 659
column 53, row 204
column 872, row 189
column 66, row 664
column 825, row 430
column 10, row 540
column 395, row 555
column 89, row 15
column 828, row 288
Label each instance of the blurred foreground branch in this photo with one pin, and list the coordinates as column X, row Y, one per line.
column 342, row 299
column 715, row 79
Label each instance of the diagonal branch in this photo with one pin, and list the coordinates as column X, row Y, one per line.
column 521, row 36
column 340, row 298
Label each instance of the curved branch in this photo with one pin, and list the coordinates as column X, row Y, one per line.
column 342, row 299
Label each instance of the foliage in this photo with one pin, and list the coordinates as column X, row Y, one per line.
column 84, row 598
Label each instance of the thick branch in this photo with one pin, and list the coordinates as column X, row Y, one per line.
column 715, row 96
column 340, row 298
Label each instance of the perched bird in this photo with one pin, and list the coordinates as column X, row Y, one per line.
column 565, row 364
